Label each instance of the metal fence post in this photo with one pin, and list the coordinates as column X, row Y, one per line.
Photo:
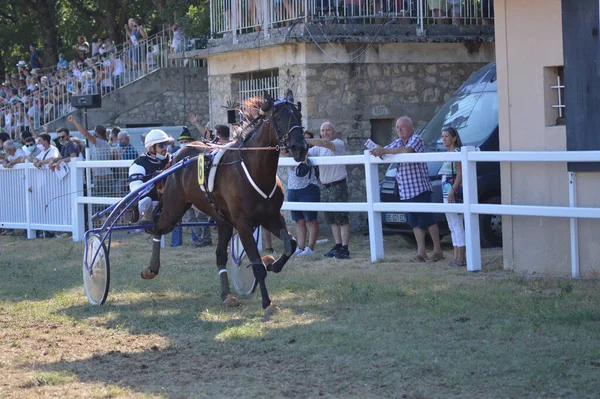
column 574, row 226
column 234, row 17
column 375, row 225
column 30, row 232
column 472, row 240
column 265, row 9
column 77, row 212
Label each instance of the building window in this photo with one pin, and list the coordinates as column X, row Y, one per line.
column 254, row 84
column 554, row 81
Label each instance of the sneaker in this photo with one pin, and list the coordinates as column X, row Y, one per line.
column 332, row 252
column 298, row 251
column 307, row 252
column 342, row 254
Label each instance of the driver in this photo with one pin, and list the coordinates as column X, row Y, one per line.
column 146, row 166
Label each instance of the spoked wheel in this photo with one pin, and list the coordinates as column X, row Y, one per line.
column 96, row 276
column 242, row 276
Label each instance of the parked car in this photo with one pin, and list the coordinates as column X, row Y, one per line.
column 473, row 111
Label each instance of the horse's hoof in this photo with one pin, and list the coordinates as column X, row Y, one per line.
column 271, row 310
column 147, row 274
column 231, row 301
column 268, row 260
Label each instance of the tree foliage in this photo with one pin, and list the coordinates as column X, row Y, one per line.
column 55, row 24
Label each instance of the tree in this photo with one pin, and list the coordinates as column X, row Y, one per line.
column 45, row 13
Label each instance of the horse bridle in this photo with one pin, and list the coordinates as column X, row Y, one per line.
column 282, row 138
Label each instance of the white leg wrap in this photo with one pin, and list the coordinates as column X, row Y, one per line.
column 222, row 271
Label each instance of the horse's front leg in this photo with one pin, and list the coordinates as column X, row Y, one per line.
column 258, row 268
column 151, row 271
column 278, row 228
column 224, row 231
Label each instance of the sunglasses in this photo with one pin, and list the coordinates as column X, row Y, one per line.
column 162, row 145
column 62, row 137
column 30, row 145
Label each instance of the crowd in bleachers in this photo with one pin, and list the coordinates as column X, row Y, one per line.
column 33, row 96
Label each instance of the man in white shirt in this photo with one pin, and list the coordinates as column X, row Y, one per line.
column 14, row 155
column 48, row 153
column 333, row 178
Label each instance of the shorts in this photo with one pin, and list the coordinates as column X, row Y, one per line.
column 336, row 193
column 311, row 193
column 417, row 219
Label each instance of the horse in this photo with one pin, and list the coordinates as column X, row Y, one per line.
column 247, row 192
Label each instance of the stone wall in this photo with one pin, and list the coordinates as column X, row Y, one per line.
column 353, row 96
column 360, row 97
column 164, row 97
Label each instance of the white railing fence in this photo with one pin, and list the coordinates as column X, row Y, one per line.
column 53, row 212
column 234, row 16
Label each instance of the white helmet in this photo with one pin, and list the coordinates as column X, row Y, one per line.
column 155, row 136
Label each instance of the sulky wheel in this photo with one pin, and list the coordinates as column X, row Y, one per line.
column 96, row 275
column 242, row 276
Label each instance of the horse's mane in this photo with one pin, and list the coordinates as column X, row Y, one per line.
column 249, row 110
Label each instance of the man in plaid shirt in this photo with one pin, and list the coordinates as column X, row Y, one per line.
column 414, row 186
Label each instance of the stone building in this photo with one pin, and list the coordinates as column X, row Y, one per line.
column 359, row 77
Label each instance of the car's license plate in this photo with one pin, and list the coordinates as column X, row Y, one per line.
column 395, row 217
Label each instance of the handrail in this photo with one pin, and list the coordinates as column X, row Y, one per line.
column 236, row 16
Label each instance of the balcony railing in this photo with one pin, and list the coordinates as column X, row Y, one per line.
column 239, row 16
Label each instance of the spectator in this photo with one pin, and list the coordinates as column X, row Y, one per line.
column 136, row 35
column 352, row 11
column 104, row 78
column 22, row 65
column 414, row 186
column 303, row 186
column 452, row 192
column 30, row 149
column 178, row 42
column 114, row 137
column 62, row 63
column 82, row 48
column 69, row 149
column 155, row 159
column 203, row 130
column 442, row 9
column 101, row 151
column 13, row 96
column 118, row 68
column 223, row 135
column 96, row 43
column 47, row 154
column 333, row 178
column 125, row 147
column 36, row 59
column 24, row 135
column 14, row 155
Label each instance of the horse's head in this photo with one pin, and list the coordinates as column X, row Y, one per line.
column 287, row 124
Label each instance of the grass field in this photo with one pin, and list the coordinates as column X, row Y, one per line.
column 345, row 329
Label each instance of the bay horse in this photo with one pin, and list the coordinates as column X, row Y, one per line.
column 247, row 192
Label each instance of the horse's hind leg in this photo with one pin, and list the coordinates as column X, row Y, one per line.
column 225, row 231
column 258, row 268
column 278, row 228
